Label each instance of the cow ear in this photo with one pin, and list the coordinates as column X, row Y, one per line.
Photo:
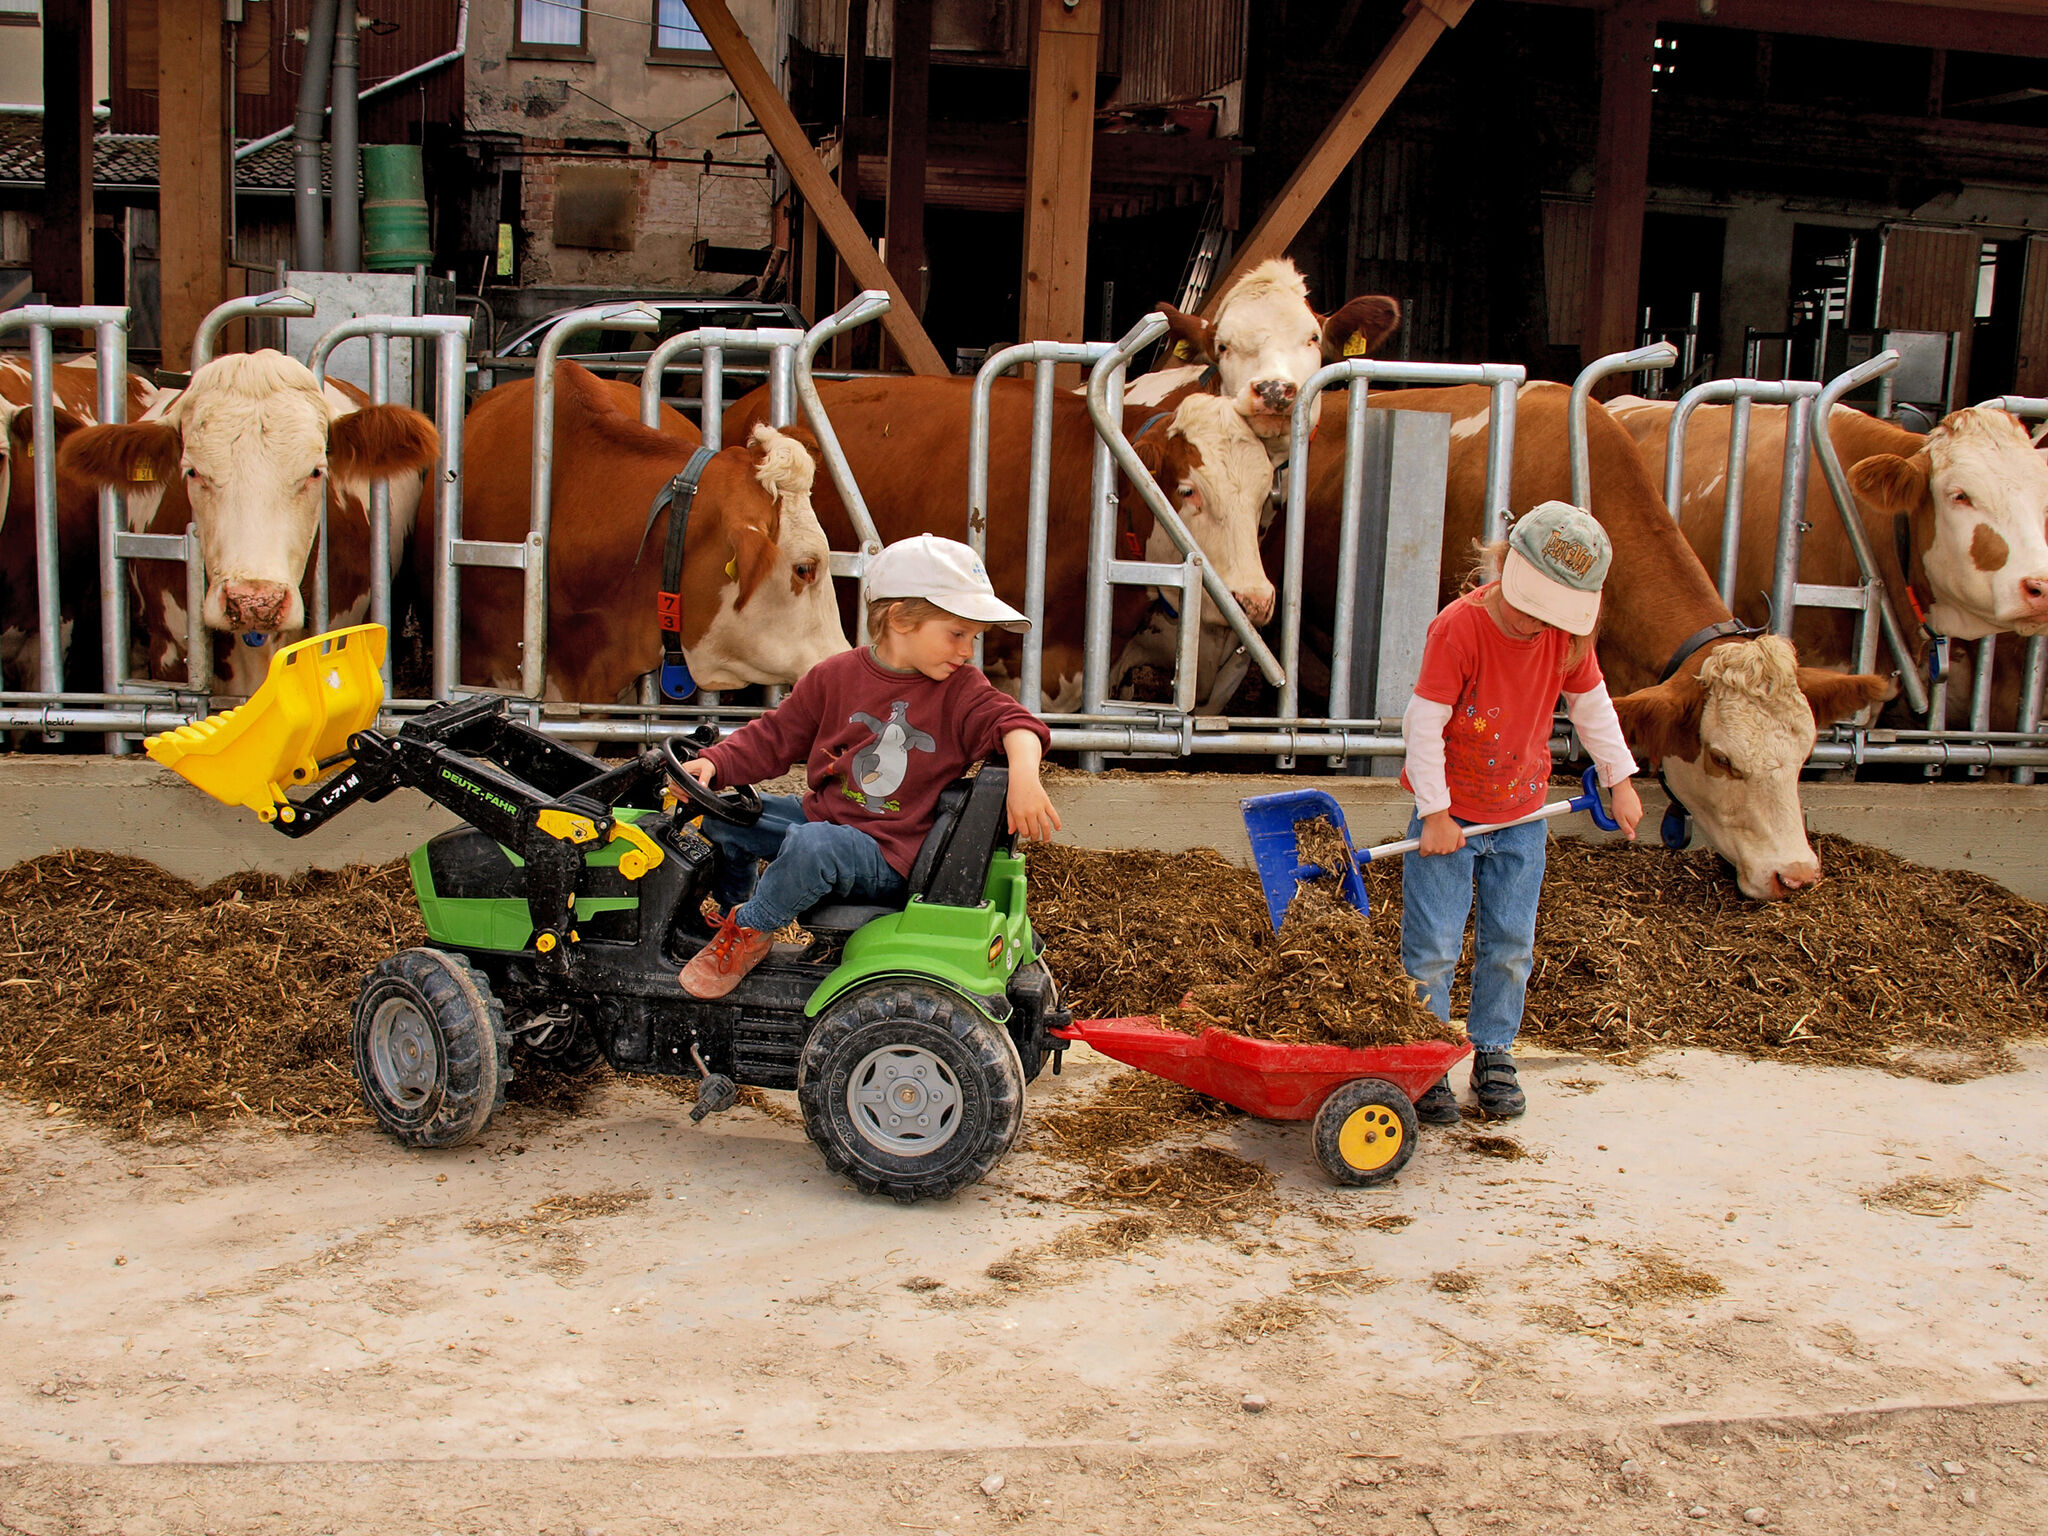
column 1359, row 327
column 1837, row 695
column 379, row 441
column 753, row 557
column 1194, row 339
column 1890, row 483
column 121, row 455
column 1663, row 721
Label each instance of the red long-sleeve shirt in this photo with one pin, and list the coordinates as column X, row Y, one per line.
column 877, row 746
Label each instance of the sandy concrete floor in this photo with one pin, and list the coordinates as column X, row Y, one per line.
column 281, row 1334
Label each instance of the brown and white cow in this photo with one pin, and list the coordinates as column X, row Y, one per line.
column 77, row 559
column 1262, row 346
column 248, row 452
column 74, row 386
column 906, row 442
column 757, row 603
column 1737, row 718
column 1970, row 499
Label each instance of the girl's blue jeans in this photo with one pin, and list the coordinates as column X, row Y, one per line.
column 1506, row 867
column 810, row 860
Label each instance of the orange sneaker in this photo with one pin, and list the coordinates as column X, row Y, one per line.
column 720, row 965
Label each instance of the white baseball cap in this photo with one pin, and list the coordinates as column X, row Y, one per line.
column 941, row 571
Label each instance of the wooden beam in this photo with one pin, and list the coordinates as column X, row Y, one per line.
column 846, row 170
column 62, row 256
column 1621, row 172
column 194, row 152
column 910, row 70
column 1059, row 162
column 1424, row 23
column 786, row 137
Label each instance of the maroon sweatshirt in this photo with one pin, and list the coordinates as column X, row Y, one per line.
column 877, row 746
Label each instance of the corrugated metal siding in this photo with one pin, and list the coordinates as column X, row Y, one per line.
column 1396, row 247
column 1179, row 52
column 1930, row 284
column 421, row 30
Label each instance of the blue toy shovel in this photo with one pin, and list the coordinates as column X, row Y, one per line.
column 1269, row 823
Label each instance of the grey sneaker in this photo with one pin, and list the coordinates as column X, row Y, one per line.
column 1495, row 1085
column 1438, row 1106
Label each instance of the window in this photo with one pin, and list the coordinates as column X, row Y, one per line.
column 550, row 27
column 677, row 36
column 29, row 13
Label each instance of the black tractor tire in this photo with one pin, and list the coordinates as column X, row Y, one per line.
column 432, row 1054
column 572, row 1049
column 909, row 1092
column 1365, row 1132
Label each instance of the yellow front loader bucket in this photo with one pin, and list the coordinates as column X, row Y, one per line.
column 320, row 692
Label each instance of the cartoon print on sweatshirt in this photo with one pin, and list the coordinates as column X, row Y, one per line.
column 878, row 769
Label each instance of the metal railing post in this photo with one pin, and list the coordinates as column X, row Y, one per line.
column 278, row 304
column 450, row 334
column 1651, row 359
column 870, row 304
column 1791, row 515
column 712, row 342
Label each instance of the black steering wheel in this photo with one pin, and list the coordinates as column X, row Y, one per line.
column 739, row 805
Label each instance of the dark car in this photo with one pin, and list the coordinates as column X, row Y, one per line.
column 618, row 353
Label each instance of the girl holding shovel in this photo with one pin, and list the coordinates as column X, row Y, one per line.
column 1478, row 749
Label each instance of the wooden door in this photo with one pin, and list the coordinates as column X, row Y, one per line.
column 1930, row 284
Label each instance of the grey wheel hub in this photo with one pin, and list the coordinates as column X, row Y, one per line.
column 905, row 1100
column 405, row 1053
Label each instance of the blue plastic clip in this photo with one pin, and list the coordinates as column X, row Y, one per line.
column 676, row 682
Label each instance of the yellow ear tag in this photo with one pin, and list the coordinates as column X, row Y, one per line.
column 1356, row 347
column 1180, row 350
column 732, row 568
column 142, row 472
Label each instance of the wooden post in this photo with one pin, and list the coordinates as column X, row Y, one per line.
column 910, row 68
column 194, row 157
column 1621, row 173
column 1424, row 23
column 1059, row 163
column 786, row 137
column 62, row 256
column 852, row 107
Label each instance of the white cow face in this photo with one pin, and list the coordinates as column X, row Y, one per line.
column 1733, row 740
column 1265, row 342
column 1215, row 471
column 774, row 616
column 1977, row 497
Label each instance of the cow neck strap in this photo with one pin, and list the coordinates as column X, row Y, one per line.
column 1937, row 642
column 1691, row 643
column 675, row 498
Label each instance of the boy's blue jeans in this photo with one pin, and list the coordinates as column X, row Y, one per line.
column 810, row 861
column 1436, row 896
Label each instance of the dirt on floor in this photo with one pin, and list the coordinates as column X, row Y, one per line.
column 1714, row 1294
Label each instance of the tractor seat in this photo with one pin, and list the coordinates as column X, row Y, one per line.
column 975, row 809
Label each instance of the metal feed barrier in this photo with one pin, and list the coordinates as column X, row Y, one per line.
column 1102, row 725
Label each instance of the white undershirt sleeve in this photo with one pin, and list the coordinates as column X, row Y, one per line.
column 1599, row 727
column 1422, row 728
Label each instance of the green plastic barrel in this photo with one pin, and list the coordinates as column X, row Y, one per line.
column 395, row 237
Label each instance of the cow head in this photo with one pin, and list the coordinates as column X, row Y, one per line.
column 1976, row 495
column 255, row 448
column 1732, row 741
column 1265, row 341
column 773, row 616
column 1215, row 472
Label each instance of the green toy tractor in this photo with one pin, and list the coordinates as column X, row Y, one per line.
column 559, row 916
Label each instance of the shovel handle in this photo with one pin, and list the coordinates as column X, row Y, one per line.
column 1587, row 801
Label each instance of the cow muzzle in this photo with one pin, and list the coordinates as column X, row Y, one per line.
column 253, row 607
column 1781, row 883
column 1276, row 395
column 1257, row 602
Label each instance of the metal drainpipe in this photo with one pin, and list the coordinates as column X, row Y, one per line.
column 348, row 159
column 309, row 252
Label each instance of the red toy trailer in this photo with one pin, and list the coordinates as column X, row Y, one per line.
column 1362, row 1101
